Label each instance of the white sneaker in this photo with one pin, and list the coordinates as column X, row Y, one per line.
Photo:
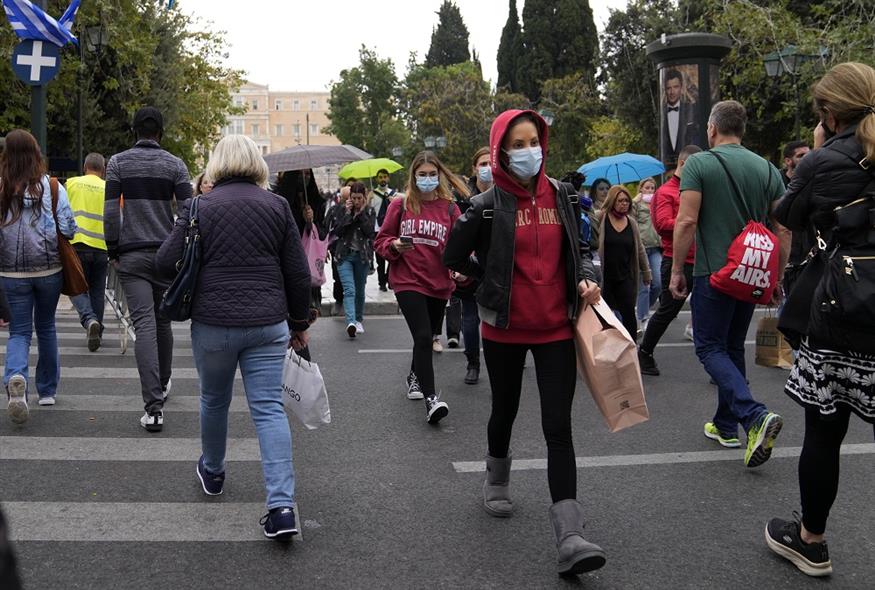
column 165, row 391
column 436, row 345
column 48, row 400
column 351, row 330
column 688, row 332
column 152, row 422
column 359, row 328
column 17, row 406
column 93, row 330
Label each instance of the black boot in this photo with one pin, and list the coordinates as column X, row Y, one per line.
column 473, row 374
column 648, row 363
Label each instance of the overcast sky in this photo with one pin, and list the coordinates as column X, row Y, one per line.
column 302, row 45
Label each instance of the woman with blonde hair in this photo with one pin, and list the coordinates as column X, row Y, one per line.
column 833, row 188
column 647, row 294
column 413, row 237
column 624, row 260
column 251, row 303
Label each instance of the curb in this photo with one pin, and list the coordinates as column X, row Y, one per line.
column 371, row 308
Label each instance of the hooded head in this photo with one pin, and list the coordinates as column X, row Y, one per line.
column 506, row 136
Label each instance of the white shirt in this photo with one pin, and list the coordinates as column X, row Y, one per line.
column 674, row 118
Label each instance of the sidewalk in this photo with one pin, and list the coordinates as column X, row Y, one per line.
column 376, row 301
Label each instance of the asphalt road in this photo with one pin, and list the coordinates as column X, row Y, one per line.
column 388, row 501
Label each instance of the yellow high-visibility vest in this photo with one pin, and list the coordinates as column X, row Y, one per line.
column 86, row 195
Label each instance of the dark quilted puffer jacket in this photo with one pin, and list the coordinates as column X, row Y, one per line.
column 253, row 268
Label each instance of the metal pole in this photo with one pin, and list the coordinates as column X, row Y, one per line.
column 38, row 107
column 796, row 88
column 308, row 128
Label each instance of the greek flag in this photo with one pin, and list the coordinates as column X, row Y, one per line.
column 30, row 22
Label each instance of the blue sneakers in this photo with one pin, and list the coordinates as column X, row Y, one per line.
column 279, row 523
column 211, row 482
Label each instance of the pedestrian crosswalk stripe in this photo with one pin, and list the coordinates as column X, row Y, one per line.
column 130, row 403
column 656, row 458
column 113, row 373
column 104, row 351
column 145, row 448
column 208, row 520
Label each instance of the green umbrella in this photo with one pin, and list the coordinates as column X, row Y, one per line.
column 369, row 168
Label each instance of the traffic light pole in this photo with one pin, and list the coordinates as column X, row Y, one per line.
column 38, row 106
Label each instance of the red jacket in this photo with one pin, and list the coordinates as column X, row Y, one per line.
column 421, row 269
column 664, row 212
column 538, row 307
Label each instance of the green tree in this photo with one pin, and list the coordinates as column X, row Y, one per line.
column 153, row 56
column 452, row 101
column 559, row 39
column 509, row 51
column 363, row 106
column 575, row 105
column 449, row 40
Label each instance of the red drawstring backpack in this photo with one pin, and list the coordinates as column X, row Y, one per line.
column 751, row 271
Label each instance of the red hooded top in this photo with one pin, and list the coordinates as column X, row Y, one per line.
column 665, row 206
column 538, row 309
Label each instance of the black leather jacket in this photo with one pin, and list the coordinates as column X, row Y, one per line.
column 488, row 228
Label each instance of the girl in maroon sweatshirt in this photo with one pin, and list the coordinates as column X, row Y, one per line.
column 532, row 269
column 412, row 238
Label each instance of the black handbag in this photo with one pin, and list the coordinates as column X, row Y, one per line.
column 799, row 292
column 177, row 300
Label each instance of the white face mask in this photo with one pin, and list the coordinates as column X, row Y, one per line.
column 525, row 162
column 647, row 197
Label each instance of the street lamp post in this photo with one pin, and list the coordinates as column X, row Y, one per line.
column 94, row 39
column 548, row 116
column 789, row 61
column 435, row 143
column 397, row 152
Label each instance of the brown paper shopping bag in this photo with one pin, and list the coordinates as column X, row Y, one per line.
column 607, row 359
column 772, row 350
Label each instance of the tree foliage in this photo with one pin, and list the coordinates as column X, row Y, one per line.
column 153, row 56
column 364, row 106
column 509, row 51
column 449, row 40
column 574, row 104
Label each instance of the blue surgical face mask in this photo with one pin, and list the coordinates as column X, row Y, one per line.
column 525, row 162
column 427, row 184
column 484, row 173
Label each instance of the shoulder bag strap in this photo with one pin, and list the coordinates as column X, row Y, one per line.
column 53, row 188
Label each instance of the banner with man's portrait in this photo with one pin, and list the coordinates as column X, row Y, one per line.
column 679, row 110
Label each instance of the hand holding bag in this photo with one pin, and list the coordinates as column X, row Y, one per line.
column 71, row 267
column 177, row 300
column 304, row 392
column 607, row 359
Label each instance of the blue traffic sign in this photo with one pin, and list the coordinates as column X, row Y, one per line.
column 36, row 62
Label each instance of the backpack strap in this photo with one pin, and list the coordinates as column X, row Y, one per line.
column 738, row 199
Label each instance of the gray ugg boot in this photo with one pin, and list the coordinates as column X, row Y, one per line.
column 496, row 488
column 576, row 554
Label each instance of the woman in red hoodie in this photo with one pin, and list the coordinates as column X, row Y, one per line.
column 532, row 269
column 413, row 237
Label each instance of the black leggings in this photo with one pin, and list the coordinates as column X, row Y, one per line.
column 819, row 465
column 621, row 297
column 424, row 317
column 555, row 366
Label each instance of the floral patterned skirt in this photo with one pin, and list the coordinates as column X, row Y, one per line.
column 823, row 379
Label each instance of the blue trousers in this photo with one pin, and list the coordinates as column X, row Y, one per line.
column 353, row 273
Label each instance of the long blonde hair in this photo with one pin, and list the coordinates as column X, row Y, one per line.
column 847, row 92
column 447, row 181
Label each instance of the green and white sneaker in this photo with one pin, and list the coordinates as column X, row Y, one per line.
column 730, row 442
column 761, row 438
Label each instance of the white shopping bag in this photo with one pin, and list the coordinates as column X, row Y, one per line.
column 304, row 392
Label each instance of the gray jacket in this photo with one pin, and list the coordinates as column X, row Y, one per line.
column 30, row 244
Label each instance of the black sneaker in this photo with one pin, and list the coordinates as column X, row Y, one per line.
column 350, row 330
column 453, row 342
column 212, row 483
column 279, row 523
column 783, row 537
column 647, row 363
column 94, row 331
column 473, row 375
column 413, row 389
column 435, row 409
column 165, row 389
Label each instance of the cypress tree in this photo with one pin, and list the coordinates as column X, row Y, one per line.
column 510, row 50
column 449, row 40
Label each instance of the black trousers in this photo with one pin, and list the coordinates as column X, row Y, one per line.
column 424, row 315
column 337, row 287
column 668, row 309
column 555, row 368
column 94, row 264
column 382, row 270
column 621, row 297
column 819, row 465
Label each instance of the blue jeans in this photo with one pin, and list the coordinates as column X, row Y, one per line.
column 261, row 353
column 32, row 304
column 90, row 305
column 353, row 273
column 647, row 296
column 721, row 328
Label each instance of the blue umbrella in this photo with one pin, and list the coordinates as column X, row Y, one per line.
column 621, row 168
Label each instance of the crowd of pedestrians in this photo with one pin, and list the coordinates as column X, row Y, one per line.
column 503, row 253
